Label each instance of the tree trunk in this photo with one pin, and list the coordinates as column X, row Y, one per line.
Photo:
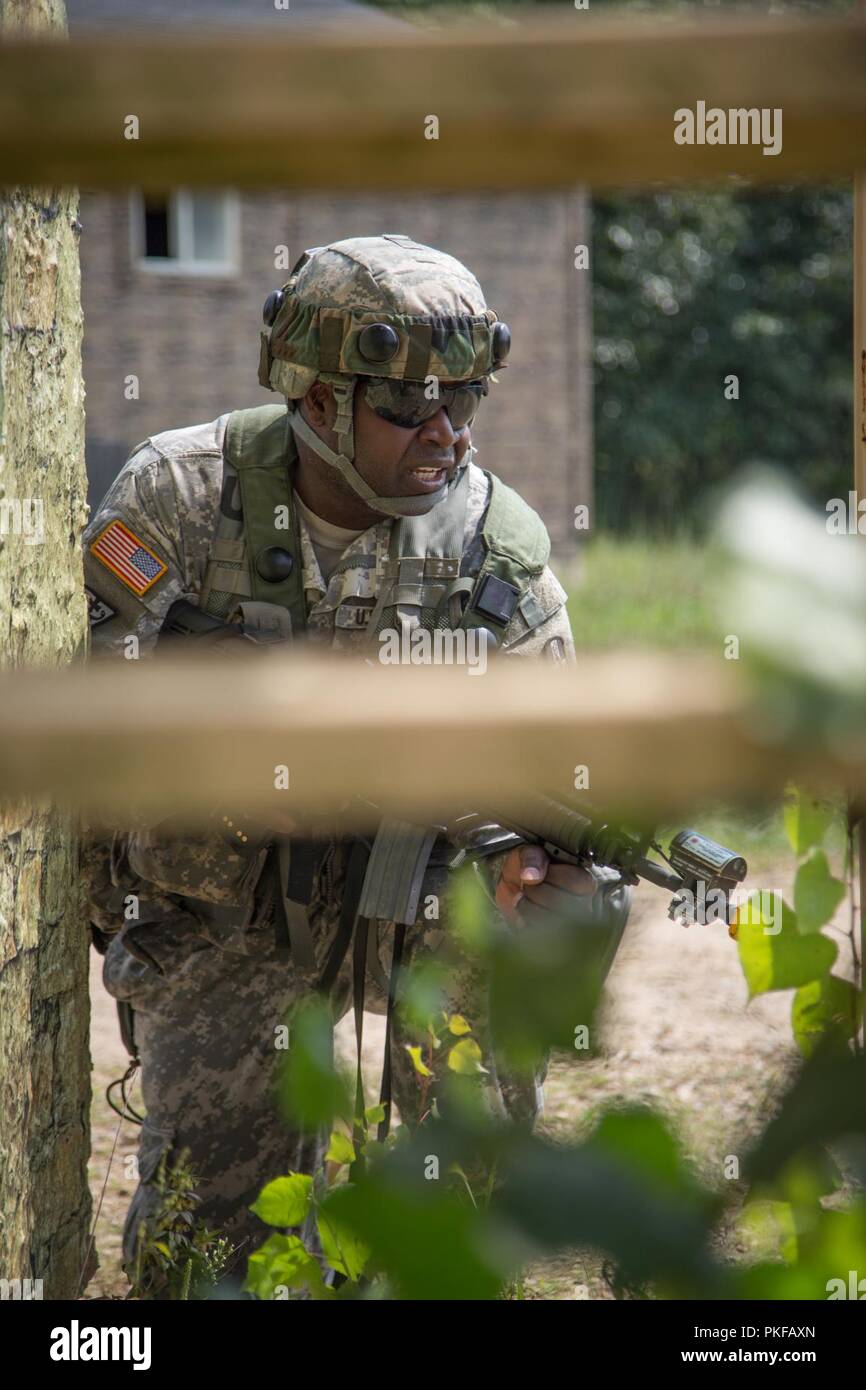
column 44, row 1013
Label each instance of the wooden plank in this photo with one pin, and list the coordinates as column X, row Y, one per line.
column 653, row 731
column 558, row 100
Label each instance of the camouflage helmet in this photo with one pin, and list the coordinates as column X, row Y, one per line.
column 381, row 306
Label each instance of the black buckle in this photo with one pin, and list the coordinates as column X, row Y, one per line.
column 497, row 600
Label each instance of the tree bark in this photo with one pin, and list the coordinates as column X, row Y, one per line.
column 44, row 1010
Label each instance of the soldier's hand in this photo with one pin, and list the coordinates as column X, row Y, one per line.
column 528, row 872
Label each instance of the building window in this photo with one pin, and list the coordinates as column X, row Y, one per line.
column 186, row 232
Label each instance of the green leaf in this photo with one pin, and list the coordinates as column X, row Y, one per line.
column 284, row 1261
column 769, row 1228
column 826, row 1102
column 779, row 960
column 415, row 1054
column 779, row 1282
column 342, row 1248
column 834, row 1245
column 458, row 1026
column 839, row 1244
column 827, row 1006
column 471, row 911
column 285, row 1201
column 465, row 1058
column 817, row 893
column 374, row 1114
column 545, row 981
column 430, row 1245
column 341, row 1148
column 602, row 1195
column 807, row 819
column 642, row 1139
column 423, row 994
column 803, row 1181
column 312, row 1092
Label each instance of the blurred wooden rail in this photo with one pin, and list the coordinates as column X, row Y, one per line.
column 561, row 99
column 654, row 731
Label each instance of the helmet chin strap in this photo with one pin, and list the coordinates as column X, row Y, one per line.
column 344, row 391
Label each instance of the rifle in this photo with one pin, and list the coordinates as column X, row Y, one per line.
column 699, row 872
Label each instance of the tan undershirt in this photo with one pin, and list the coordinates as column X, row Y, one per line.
column 328, row 541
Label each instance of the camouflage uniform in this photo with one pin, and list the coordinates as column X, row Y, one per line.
column 198, row 963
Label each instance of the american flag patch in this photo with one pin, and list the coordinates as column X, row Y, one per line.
column 134, row 563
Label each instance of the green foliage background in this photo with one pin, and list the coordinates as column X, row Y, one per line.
column 689, row 288
column 691, row 285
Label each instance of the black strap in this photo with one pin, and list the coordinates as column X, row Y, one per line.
column 359, row 854
column 385, row 1093
column 282, row 939
column 359, row 972
column 350, row 922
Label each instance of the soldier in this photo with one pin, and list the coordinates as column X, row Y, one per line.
column 358, row 513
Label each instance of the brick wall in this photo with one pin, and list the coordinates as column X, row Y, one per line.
column 193, row 341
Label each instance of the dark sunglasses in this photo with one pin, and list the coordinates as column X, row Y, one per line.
column 405, row 403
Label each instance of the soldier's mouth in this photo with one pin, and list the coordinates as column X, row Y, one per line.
column 429, row 478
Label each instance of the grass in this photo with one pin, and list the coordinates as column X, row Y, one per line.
column 640, row 592
column 758, row 833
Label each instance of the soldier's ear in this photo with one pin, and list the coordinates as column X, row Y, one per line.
column 319, row 405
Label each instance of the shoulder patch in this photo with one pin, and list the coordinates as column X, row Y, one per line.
column 133, row 562
column 98, row 610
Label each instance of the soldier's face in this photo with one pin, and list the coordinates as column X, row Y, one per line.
column 396, row 462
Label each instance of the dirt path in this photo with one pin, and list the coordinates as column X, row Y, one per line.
column 676, row 1034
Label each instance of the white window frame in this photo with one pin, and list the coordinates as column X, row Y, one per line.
column 180, row 226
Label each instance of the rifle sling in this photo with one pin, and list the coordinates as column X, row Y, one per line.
column 350, row 921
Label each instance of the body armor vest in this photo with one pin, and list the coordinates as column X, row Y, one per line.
column 421, row 584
